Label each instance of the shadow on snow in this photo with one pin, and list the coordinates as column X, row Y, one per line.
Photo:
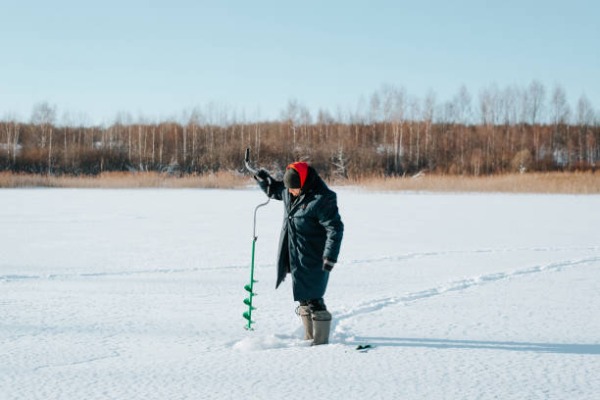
column 561, row 348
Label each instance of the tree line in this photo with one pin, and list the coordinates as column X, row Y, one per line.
column 391, row 133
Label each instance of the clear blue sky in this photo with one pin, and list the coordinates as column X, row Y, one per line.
column 160, row 58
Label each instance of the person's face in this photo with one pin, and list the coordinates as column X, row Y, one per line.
column 294, row 192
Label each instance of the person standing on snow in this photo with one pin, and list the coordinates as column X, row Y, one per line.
column 310, row 241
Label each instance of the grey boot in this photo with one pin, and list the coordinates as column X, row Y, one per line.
column 321, row 324
column 304, row 312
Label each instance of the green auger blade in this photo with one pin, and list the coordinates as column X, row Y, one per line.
column 247, row 316
column 248, row 302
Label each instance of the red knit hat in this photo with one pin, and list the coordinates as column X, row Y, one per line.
column 295, row 175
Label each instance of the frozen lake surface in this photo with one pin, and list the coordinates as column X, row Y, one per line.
column 137, row 294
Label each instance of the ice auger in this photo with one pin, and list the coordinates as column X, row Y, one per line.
column 250, row 287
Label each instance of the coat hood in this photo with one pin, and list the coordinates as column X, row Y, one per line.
column 302, row 169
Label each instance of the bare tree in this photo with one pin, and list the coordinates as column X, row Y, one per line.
column 374, row 109
column 536, row 96
column 462, row 102
column 194, row 123
column 298, row 118
column 585, row 120
column 489, row 106
column 463, row 115
column 44, row 116
column 428, row 116
column 560, row 112
column 560, row 107
column 395, row 112
column 585, row 112
column 340, row 162
column 66, row 123
column 510, row 105
column 414, row 130
column 12, row 131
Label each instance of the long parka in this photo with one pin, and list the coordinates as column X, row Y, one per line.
column 312, row 231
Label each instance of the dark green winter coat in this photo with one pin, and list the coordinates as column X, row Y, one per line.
column 312, row 231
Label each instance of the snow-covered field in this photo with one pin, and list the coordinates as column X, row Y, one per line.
column 137, row 294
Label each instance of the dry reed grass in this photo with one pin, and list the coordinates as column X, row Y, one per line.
column 567, row 183
column 556, row 182
column 123, row 180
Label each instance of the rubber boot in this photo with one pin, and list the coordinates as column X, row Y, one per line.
column 304, row 312
column 321, row 325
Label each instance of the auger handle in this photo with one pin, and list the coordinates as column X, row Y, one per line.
column 247, row 162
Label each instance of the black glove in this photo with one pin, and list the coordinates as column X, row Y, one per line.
column 264, row 181
column 328, row 264
column 262, row 175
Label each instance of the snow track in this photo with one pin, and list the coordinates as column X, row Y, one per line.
column 341, row 331
column 375, row 305
column 374, row 260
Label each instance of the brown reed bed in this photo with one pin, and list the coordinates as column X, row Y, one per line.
column 555, row 182
column 124, row 180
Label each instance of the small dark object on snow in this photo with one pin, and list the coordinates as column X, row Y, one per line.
column 364, row 348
